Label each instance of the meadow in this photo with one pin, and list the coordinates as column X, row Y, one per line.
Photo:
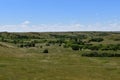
column 60, row 56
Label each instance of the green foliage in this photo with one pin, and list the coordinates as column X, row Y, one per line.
column 102, row 47
column 111, row 47
column 96, row 39
column 82, row 36
column 103, row 34
column 94, row 47
column 27, row 44
column 75, row 47
column 45, row 51
column 52, row 42
column 60, row 41
column 41, row 46
column 47, row 44
column 66, row 46
column 101, row 54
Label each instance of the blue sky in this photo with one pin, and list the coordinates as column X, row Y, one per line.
column 59, row 15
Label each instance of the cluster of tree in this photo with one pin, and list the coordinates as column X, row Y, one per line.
column 103, row 34
column 23, row 41
column 58, row 41
column 58, row 36
column 111, row 47
column 75, row 47
column 80, row 36
column 75, row 44
column 7, row 35
column 52, row 42
column 15, row 41
column 27, row 44
column 116, row 38
column 96, row 47
column 96, row 40
column 101, row 54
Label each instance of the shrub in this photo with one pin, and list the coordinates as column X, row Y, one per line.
column 60, row 44
column 65, row 46
column 94, row 47
column 45, row 51
column 21, row 45
column 75, row 47
column 96, row 39
column 81, row 47
column 103, row 34
column 102, row 54
column 111, row 47
column 41, row 46
column 47, row 44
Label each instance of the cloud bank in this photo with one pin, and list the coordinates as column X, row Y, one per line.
column 27, row 27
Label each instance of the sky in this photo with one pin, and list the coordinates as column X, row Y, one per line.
column 59, row 15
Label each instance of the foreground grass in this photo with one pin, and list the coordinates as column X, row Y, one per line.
column 58, row 64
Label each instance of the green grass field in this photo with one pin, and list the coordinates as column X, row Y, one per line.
column 59, row 64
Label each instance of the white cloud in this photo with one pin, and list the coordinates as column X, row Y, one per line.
column 26, row 27
column 26, row 23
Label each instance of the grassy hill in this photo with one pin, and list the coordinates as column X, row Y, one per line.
column 60, row 63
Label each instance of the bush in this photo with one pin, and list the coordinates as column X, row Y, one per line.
column 41, row 46
column 27, row 44
column 21, row 45
column 75, row 47
column 111, row 47
column 65, row 46
column 96, row 39
column 103, row 34
column 102, row 54
column 45, row 51
column 94, row 47
column 47, row 44
column 60, row 44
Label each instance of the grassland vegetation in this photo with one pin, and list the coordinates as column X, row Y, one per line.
column 60, row 56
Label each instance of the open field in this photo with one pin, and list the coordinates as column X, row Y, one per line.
column 22, row 56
